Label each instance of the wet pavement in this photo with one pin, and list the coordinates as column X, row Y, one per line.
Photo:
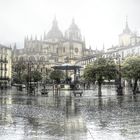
column 65, row 117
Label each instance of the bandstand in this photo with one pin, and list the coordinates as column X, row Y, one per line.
column 69, row 67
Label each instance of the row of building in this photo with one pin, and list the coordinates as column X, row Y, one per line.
column 129, row 45
column 56, row 48
column 5, row 65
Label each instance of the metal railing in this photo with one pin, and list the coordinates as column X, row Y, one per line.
column 3, row 61
column 4, row 78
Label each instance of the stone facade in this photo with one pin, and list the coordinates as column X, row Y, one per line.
column 5, row 65
column 53, row 48
column 128, row 38
column 125, row 36
column 129, row 45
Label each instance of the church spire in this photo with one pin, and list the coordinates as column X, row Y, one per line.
column 73, row 21
column 126, row 30
column 55, row 24
column 126, row 23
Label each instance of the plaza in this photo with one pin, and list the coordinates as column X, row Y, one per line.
column 66, row 117
column 69, row 70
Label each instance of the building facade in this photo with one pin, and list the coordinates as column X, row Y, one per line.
column 54, row 48
column 129, row 45
column 5, row 66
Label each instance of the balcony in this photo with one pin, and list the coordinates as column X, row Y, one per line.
column 3, row 69
column 3, row 61
column 4, row 78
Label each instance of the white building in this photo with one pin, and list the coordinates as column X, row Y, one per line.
column 5, row 65
column 129, row 45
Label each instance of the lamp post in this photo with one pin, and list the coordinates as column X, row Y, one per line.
column 5, row 72
column 119, row 85
column 29, row 87
column 28, row 78
column 1, row 73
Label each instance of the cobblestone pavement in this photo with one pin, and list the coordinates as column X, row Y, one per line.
column 66, row 117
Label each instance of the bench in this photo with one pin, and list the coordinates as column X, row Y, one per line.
column 44, row 92
column 78, row 92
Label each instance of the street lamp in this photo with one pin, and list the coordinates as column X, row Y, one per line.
column 1, row 72
column 119, row 85
column 29, row 87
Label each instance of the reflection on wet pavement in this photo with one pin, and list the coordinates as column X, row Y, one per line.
column 65, row 117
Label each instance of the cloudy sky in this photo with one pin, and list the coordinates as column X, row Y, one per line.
column 100, row 21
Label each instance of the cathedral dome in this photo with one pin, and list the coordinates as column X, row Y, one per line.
column 54, row 32
column 73, row 26
column 73, row 33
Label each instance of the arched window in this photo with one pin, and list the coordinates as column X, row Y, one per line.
column 21, row 58
column 42, row 58
column 31, row 58
column 76, row 50
column 57, row 50
column 15, row 59
column 64, row 50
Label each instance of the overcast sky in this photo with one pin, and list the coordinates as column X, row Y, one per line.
column 100, row 21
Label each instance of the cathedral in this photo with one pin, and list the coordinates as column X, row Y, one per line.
column 54, row 48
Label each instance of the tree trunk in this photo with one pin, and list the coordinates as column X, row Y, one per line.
column 135, row 86
column 99, row 89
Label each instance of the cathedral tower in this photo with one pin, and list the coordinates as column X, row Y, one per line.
column 73, row 33
column 54, row 34
column 125, row 36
